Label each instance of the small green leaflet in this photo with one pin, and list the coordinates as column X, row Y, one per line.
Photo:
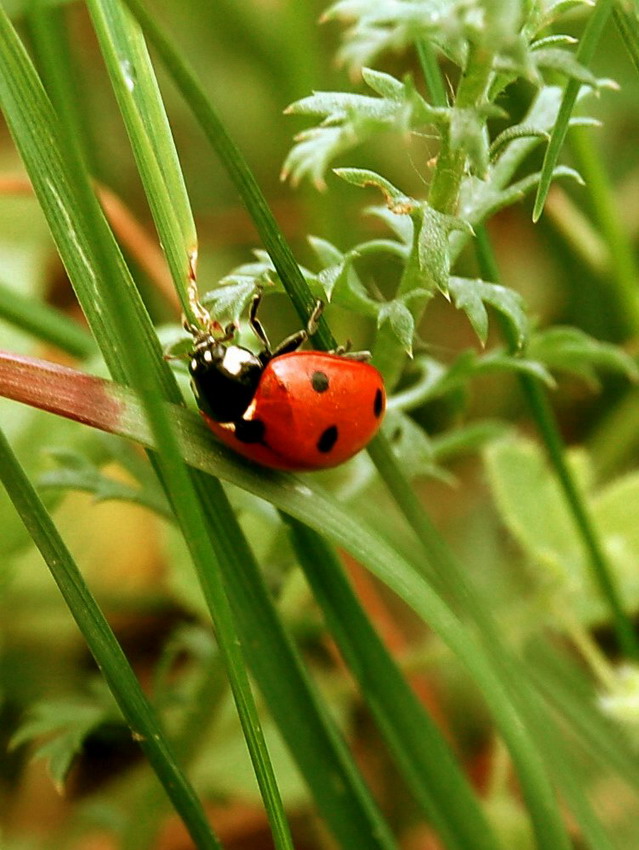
column 471, row 296
column 569, row 349
column 66, row 725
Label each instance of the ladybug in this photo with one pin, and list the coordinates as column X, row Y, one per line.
column 285, row 408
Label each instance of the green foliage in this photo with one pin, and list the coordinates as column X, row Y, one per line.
column 531, row 504
column 569, row 349
column 66, row 724
column 453, row 101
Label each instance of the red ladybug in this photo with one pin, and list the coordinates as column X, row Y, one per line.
column 286, row 409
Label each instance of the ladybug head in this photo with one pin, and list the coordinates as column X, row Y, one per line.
column 224, row 378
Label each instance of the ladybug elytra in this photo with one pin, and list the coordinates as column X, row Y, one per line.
column 286, row 409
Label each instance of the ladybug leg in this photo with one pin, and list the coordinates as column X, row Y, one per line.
column 345, row 351
column 256, row 326
column 294, row 341
column 313, row 321
column 359, row 356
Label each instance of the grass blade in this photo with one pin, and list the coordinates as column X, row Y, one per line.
column 84, row 241
column 585, row 52
column 45, row 323
column 338, row 789
column 136, row 90
column 239, row 172
column 420, row 752
column 104, row 647
column 627, row 26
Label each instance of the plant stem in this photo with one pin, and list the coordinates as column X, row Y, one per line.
column 449, row 171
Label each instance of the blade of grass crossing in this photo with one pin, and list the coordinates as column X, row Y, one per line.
column 339, row 792
column 45, row 323
column 622, row 269
column 83, row 239
column 239, row 172
column 54, row 59
column 104, row 647
column 627, row 26
column 136, row 91
column 585, row 52
column 420, row 752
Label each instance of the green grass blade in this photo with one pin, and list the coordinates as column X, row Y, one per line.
column 45, row 323
column 238, row 170
column 622, row 269
column 339, row 792
column 627, row 26
column 537, row 790
column 138, row 97
column 585, row 52
column 83, row 239
column 54, row 59
column 104, row 647
column 419, row 750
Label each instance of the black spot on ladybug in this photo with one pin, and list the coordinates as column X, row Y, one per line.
column 319, row 382
column 378, row 404
column 327, row 439
column 250, row 430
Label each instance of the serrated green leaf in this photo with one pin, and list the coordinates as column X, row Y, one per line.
column 66, row 724
column 400, row 319
column 570, row 349
column 402, row 226
column 327, row 253
column 348, row 119
column 517, row 131
column 471, row 295
column 77, row 472
column 384, row 84
column 396, row 200
column 331, row 276
column 312, row 153
column 180, row 347
column 340, row 106
column 553, row 40
column 565, row 62
column 411, row 446
column 229, row 301
column 433, row 247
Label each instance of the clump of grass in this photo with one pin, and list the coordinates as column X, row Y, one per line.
column 485, row 88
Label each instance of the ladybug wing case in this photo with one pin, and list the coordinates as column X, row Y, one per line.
column 318, row 409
